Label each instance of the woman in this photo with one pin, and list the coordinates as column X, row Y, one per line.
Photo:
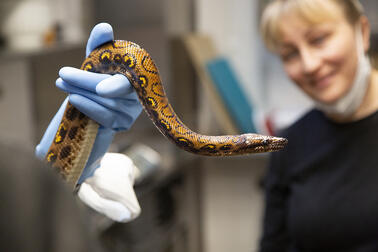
column 320, row 191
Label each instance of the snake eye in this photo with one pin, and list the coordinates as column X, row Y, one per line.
column 129, row 60
column 105, row 57
column 265, row 142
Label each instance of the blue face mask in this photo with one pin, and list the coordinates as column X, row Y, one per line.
column 351, row 101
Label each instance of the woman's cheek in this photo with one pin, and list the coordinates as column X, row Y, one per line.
column 294, row 74
column 343, row 61
column 340, row 54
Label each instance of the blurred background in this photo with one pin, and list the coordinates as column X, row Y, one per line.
column 189, row 203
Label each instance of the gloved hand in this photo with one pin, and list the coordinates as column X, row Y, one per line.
column 109, row 100
column 110, row 189
column 112, row 102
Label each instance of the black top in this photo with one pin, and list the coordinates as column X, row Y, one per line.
column 322, row 189
column 37, row 211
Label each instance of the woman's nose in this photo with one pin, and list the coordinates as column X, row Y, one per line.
column 311, row 61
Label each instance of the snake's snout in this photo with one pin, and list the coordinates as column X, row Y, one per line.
column 277, row 143
column 261, row 143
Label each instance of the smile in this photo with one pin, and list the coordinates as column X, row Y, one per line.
column 323, row 81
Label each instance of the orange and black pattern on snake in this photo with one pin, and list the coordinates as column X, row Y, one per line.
column 74, row 130
column 135, row 63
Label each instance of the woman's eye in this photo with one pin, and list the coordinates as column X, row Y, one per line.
column 318, row 40
column 289, row 55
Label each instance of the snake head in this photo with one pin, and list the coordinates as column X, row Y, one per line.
column 256, row 143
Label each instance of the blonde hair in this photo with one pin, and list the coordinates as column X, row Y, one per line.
column 312, row 11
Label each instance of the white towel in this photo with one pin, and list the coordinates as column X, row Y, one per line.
column 110, row 190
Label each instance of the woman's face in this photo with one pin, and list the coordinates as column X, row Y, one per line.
column 322, row 58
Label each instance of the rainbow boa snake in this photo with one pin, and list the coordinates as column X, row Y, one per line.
column 74, row 139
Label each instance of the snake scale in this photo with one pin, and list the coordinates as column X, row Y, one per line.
column 74, row 139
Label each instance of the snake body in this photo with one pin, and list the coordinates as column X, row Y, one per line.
column 74, row 139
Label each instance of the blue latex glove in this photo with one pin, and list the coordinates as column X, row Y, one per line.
column 108, row 99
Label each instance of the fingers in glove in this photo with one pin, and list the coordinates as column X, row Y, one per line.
column 100, row 34
column 112, row 86
column 123, row 106
column 116, row 86
column 105, row 116
column 82, row 79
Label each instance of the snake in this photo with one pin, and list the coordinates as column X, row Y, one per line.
column 74, row 139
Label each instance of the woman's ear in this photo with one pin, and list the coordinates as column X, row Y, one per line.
column 365, row 29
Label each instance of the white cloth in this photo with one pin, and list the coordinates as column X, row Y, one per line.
column 110, row 190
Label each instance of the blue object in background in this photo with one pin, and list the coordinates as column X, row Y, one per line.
column 234, row 99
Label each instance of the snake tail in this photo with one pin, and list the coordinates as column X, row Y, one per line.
column 72, row 144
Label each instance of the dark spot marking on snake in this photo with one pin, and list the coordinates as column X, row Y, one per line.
column 118, row 58
column 143, row 81
column 62, row 132
column 65, row 152
column 164, row 124
column 151, row 102
column 209, row 148
column 105, row 57
column 226, row 147
column 89, row 67
column 129, row 60
column 73, row 132
column 51, row 157
column 72, row 113
column 181, row 141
